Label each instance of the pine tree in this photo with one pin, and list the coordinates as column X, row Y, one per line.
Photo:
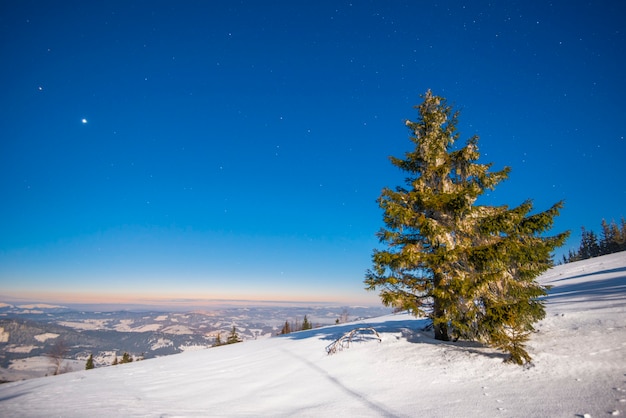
column 89, row 365
column 126, row 358
column 572, row 256
column 115, row 362
column 589, row 246
column 218, row 340
column 609, row 243
column 286, row 328
column 469, row 268
column 233, row 337
column 306, row 324
column 616, row 235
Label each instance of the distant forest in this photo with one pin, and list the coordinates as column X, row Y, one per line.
column 611, row 240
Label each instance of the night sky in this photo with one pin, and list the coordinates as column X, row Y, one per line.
column 177, row 150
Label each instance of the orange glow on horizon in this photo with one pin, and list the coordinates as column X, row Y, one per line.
column 180, row 299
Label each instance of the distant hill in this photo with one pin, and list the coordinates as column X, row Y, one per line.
column 29, row 332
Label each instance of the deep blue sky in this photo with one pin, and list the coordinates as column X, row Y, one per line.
column 236, row 149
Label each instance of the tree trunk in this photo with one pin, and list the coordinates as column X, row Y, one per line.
column 441, row 328
column 441, row 332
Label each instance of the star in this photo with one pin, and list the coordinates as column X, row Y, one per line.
column 84, row 121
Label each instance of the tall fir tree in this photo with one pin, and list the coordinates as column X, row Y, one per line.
column 469, row 268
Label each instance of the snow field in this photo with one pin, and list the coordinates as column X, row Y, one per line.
column 579, row 369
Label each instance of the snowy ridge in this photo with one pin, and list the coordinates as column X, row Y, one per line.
column 579, row 369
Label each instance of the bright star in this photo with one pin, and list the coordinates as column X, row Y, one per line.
column 84, row 121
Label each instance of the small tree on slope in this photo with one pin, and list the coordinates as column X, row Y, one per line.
column 469, row 268
column 89, row 365
column 233, row 338
column 306, row 324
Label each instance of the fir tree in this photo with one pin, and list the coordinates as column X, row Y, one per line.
column 218, row 340
column 286, row 328
column 89, row 365
column 606, row 241
column 115, row 362
column 233, row 337
column 306, row 324
column 126, row 358
column 612, row 240
column 572, row 256
column 469, row 268
column 611, row 237
column 589, row 246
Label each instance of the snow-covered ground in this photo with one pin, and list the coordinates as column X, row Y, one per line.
column 579, row 369
column 33, row 367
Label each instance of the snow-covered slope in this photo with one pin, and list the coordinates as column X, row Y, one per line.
column 579, row 355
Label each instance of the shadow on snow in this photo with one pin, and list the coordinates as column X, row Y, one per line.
column 412, row 330
column 591, row 273
column 597, row 290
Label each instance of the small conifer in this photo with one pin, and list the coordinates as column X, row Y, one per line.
column 126, row 358
column 286, row 328
column 306, row 324
column 233, row 337
column 89, row 365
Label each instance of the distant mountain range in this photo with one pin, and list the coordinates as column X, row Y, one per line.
column 30, row 332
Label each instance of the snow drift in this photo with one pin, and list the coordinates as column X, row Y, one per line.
column 579, row 369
